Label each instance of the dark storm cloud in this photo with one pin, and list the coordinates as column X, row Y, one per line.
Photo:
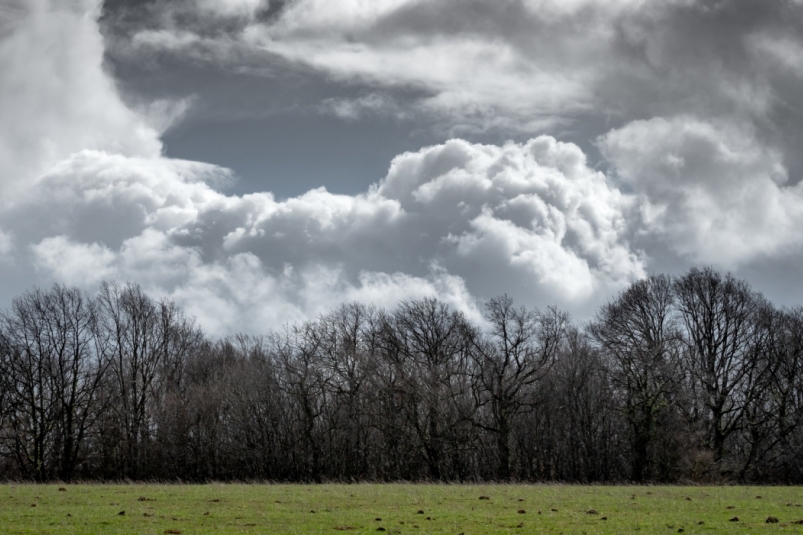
column 253, row 111
column 705, row 58
column 666, row 54
column 562, row 66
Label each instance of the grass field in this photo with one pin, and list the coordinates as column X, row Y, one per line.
column 414, row 509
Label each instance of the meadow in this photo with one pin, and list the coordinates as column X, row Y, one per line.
column 396, row 509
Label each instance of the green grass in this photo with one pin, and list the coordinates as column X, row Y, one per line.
column 452, row 509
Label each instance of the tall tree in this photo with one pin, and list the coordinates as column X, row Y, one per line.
column 637, row 331
column 52, row 361
column 774, row 413
column 347, row 342
column 520, row 348
column 432, row 344
column 145, row 342
column 722, row 337
column 306, row 383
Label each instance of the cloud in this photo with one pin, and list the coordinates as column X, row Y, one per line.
column 55, row 97
column 352, row 109
column 783, row 52
column 77, row 264
column 460, row 221
column 478, row 80
column 88, row 194
column 715, row 191
column 512, row 66
column 100, row 201
column 532, row 212
column 6, row 247
column 230, row 8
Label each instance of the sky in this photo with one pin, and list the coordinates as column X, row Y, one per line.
column 262, row 161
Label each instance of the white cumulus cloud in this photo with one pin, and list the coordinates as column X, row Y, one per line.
column 715, row 191
column 55, row 96
column 460, row 221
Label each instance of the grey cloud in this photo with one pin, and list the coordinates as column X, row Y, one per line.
column 558, row 63
column 698, row 140
column 659, row 37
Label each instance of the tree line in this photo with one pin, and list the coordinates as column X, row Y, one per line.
column 689, row 378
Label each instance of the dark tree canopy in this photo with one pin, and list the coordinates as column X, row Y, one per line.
column 696, row 377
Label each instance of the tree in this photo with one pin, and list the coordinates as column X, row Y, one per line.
column 261, row 433
column 520, row 348
column 145, row 342
column 306, row 383
column 722, row 337
column 430, row 344
column 787, row 396
column 637, row 331
column 347, row 342
column 774, row 413
column 578, row 432
column 53, row 367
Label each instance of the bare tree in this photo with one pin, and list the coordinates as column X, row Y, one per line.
column 260, row 432
column 774, row 412
column 520, row 348
column 7, row 384
column 33, row 405
column 719, row 315
column 573, row 433
column 49, row 341
column 78, row 369
column 638, row 332
column 306, row 383
column 145, row 342
column 671, row 375
column 347, row 341
column 787, row 397
column 432, row 345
